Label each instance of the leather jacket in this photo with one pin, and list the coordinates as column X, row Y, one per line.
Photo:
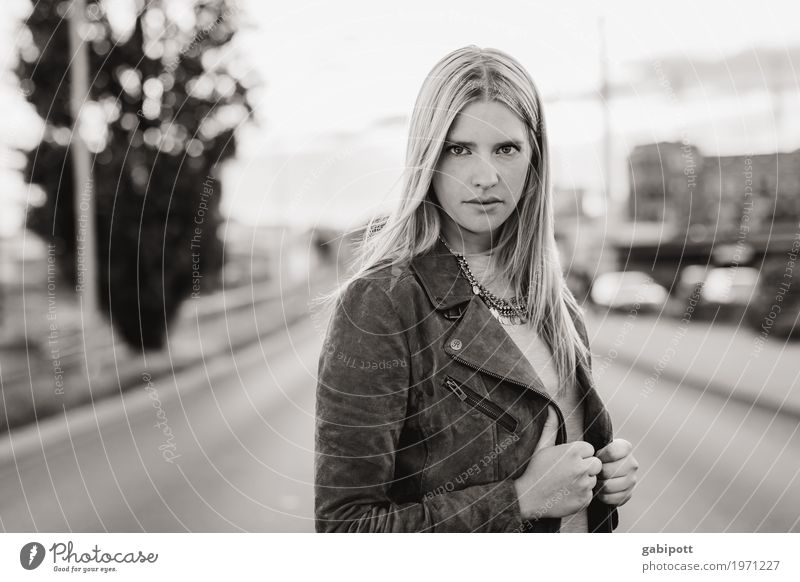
column 426, row 410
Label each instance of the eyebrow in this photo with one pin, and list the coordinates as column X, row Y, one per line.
column 468, row 144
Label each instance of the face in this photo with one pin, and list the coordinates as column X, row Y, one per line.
column 481, row 173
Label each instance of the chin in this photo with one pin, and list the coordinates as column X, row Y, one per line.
column 477, row 224
column 482, row 228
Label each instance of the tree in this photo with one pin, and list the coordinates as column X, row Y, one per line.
column 166, row 93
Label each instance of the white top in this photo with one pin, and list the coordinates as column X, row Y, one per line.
column 535, row 349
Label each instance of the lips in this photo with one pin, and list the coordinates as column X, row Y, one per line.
column 484, row 202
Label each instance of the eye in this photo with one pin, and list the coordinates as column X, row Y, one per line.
column 507, row 150
column 456, row 150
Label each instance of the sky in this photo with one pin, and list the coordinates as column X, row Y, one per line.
column 347, row 62
column 341, row 79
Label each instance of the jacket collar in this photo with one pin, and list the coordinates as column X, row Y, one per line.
column 480, row 341
column 441, row 277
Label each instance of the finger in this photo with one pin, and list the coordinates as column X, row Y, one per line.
column 619, row 468
column 615, row 450
column 584, row 449
column 618, row 485
column 593, row 466
column 549, row 431
column 615, row 498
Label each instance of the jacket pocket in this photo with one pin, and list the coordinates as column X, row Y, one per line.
column 481, row 404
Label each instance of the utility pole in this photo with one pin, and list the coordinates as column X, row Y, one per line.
column 605, row 102
column 613, row 221
column 83, row 203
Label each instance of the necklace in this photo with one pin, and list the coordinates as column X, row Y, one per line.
column 507, row 312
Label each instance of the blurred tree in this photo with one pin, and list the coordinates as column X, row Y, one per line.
column 166, row 94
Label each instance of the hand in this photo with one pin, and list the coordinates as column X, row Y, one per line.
column 559, row 479
column 618, row 475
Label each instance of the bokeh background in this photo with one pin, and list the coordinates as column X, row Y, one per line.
column 181, row 178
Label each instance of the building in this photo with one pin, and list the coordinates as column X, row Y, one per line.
column 746, row 194
column 708, row 210
column 283, row 254
column 665, row 184
column 718, row 198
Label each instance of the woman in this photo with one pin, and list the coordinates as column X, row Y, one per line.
column 454, row 387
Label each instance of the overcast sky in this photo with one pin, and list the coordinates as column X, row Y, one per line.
column 349, row 62
column 333, row 69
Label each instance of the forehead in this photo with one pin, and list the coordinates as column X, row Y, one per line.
column 487, row 121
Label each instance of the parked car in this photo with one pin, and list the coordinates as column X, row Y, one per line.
column 690, row 283
column 628, row 290
column 776, row 307
column 728, row 293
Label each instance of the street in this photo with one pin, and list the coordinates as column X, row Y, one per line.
column 238, row 454
column 706, row 465
column 243, row 428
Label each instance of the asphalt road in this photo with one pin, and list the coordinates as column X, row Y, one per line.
column 707, row 463
column 237, row 454
column 240, row 438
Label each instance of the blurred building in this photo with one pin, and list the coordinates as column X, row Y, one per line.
column 284, row 254
column 713, row 197
column 580, row 239
column 664, row 184
column 708, row 210
column 570, row 228
column 761, row 191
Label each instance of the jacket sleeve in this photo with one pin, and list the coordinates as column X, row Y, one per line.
column 362, row 394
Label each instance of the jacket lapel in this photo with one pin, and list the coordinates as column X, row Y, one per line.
column 478, row 339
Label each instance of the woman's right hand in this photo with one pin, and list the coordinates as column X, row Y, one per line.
column 559, row 479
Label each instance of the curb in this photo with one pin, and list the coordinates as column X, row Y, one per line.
column 127, row 377
column 82, row 418
column 745, row 397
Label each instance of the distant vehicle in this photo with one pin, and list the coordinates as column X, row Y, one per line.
column 628, row 289
column 730, row 285
column 727, row 293
column 689, row 291
column 776, row 306
column 691, row 280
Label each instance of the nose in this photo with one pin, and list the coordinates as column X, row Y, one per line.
column 484, row 175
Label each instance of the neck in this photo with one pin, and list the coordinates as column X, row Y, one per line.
column 465, row 242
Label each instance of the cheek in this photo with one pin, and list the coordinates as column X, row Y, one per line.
column 447, row 183
column 514, row 177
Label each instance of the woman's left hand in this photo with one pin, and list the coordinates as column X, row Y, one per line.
column 617, row 478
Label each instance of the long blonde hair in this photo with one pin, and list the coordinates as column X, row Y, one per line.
column 527, row 257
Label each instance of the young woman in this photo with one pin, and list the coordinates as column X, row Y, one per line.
column 454, row 386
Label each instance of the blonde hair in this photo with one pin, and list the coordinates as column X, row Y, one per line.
column 527, row 256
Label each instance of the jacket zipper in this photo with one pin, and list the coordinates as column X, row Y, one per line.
column 484, row 405
column 562, row 431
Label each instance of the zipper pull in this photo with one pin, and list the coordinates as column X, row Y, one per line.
column 456, row 388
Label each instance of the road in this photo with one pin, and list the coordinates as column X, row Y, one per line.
column 707, row 463
column 243, row 429
column 241, row 434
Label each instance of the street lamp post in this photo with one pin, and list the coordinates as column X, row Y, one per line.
column 84, row 204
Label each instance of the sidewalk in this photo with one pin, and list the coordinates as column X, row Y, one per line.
column 720, row 357
column 205, row 327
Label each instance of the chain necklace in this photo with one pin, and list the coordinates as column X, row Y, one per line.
column 507, row 312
